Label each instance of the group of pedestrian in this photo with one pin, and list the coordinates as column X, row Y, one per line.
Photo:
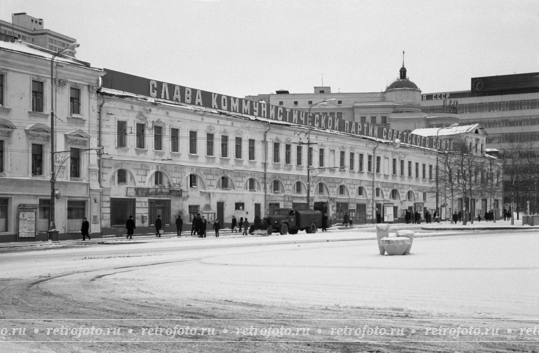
column 243, row 223
column 199, row 226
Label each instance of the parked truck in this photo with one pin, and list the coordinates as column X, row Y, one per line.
column 289, row 220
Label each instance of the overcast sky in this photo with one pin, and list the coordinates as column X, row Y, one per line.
column 246, row 47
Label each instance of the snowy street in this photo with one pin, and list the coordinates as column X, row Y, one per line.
column 325, row 284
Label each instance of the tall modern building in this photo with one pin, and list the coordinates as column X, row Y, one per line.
column 32, row 30
column 507, row 106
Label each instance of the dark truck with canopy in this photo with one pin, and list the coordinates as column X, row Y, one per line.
column 289, row 220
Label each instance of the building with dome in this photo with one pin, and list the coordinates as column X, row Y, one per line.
column 399, row 106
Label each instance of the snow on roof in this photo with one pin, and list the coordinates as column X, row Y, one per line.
column 447, row 131
column 492, row 150
column 123, row 94
column 34, row 50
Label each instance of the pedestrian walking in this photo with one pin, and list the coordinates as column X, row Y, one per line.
column 203, row 223
column 346, row 219
column 455, row 217
column 240, row 224
column 158, row 226
column 85, row 229
column 245, row 225
column 179, row 225
column 233, row 224
column 130, row 225
column 216, row 227
column 428, row 217
column 378, row 217
column 324, row 222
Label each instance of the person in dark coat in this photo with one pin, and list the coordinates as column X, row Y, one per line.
column 85, row 229
column 233, row 224
column 194, row 225
column 324, row 222
column 455, row 218
column 130, row 225
column 407, row 216
column 216, row 227
column 240, row 223
column 346, row 219
column 158, row 226
column 417, row 217
column 428, row 217
column 504, row 214
column 378, row 217
column 179, row 225
column 202, row 226
column 245, row 225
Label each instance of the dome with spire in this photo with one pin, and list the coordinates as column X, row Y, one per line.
column 402, row 82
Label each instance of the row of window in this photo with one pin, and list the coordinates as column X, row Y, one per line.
column 224, row 183
column 37, row 164
column 38, row 93
column 158, row 137
column 503, row 122
column 521, row 104
column 509, row 137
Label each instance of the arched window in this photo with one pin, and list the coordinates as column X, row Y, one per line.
column 361, row 192
column 252, row 185
column 158, row 178
column 379, row 193
column 395, row 194
column 224, row 183
column 410, row 196
column 193, row 180
column 277, row 187
column 322, row 189
column 122, row 176
column 342, row 190
column 298, row 188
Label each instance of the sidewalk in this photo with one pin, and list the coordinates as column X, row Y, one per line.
column 335, row 233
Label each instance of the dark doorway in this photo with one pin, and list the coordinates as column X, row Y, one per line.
column 120, row 210
column 221, row 213
column 361, row 213
column 159, row 208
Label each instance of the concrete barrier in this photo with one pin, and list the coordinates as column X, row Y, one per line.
column 382, row 231
column 406, row 234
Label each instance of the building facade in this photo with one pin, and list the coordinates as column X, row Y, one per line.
column 26, row 99
column 171, row 150
column 507, row 106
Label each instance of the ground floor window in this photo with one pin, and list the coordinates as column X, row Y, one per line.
column 193, row 211
column 120, row 210
column 3, row 215
column 76, row 211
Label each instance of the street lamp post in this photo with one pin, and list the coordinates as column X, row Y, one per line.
column 52, row 223
column 324, row 102
column 437, row 175
column 373, row 166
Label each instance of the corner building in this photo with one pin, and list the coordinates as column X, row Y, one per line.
column 172, row 150
column 27, row 96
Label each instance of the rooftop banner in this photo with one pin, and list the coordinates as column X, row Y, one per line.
column 175, row 93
